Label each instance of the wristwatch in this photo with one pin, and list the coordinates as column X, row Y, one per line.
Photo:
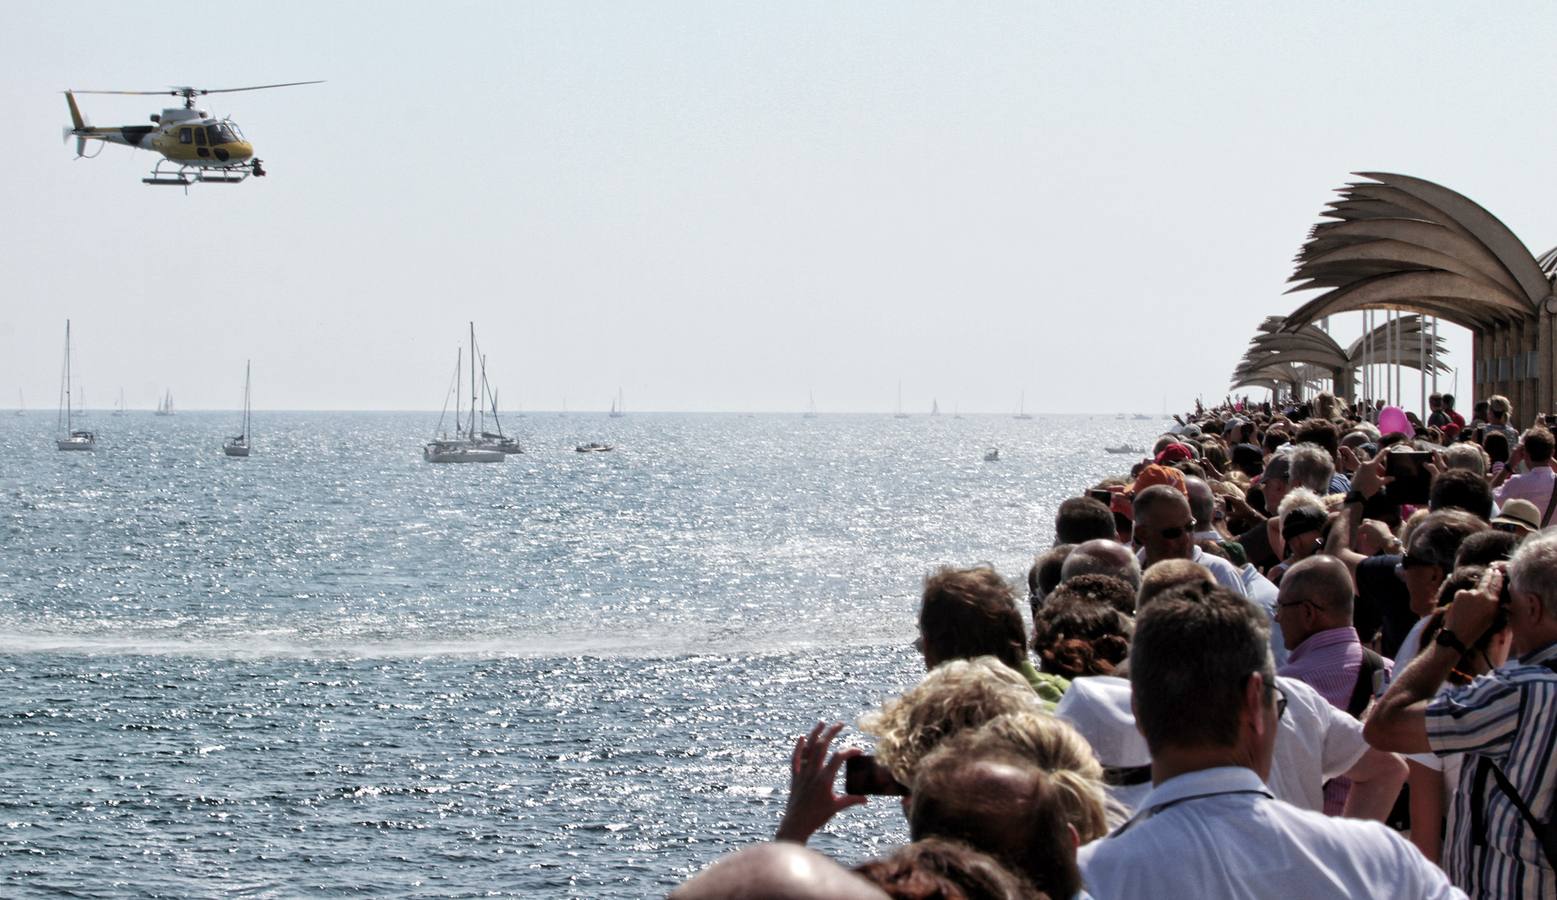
column 1447, row 638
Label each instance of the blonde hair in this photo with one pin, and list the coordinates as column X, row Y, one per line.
column 1057, row 748
column 955, row 696
column 1170, row 573
column 1300, row 498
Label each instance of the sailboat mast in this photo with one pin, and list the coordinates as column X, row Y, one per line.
column 246, row 367
column 472, row 381
column 68, row 408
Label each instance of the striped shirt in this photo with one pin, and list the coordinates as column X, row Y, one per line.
column 1510, row 717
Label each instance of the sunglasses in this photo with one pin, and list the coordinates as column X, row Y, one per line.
column 1281, row 702
column 1411, row 562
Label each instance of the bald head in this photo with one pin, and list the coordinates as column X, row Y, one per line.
column 1103, row 557
column 1316, row 595
column 776, row 871
column 1202, row 501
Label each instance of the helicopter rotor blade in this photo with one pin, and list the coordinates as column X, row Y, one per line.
column 134, row 93
column 257, row 87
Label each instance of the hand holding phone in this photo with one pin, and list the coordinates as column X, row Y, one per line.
column 864, row 776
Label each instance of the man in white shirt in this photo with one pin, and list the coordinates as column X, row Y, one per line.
column 1208, row 704
column 1535, row 485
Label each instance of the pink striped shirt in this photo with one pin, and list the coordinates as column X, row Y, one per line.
column 1328, row 661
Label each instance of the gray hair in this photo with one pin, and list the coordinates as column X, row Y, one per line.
column 1103, row 557
column 1467, row 456
column 1533, row 569
column 1312, row 468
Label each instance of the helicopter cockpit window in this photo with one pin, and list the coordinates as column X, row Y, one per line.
column 221, row 134
column 186, row 136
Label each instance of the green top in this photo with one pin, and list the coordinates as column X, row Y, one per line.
column 1049, row 688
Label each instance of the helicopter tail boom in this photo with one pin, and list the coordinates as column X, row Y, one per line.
column 76, row 118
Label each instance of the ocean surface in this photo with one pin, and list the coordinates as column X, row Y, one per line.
column 332, row 669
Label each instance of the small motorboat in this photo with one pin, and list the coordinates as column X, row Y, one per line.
column 594, row 447
column 1125, row 448
column 992, row 454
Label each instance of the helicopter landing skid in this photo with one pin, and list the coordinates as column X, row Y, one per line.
column 184, row 176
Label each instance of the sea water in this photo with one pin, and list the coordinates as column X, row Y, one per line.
column 334, row 669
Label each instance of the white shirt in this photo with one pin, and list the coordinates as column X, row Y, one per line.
column 1218, row 833
column 1314, row 741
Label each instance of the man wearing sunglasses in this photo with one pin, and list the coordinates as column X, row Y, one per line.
column 1205, row 696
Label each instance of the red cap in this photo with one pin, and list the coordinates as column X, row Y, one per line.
column 1173, row 453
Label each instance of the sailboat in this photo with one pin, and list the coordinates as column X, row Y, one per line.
column 494, row 440
column 165, row 405
column 73, row 438
column 240, row 444
column 900, row 414
column 21, row 403
column 935, row 407
column 810, row 412
column 119, row 409
column 1021, row 408
column 618, row 406
column 463, row 447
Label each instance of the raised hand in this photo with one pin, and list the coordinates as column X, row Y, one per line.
column 811, row 774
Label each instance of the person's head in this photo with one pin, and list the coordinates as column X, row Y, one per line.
column 1303, row 517
column 1532, row 580
column 1104, row 589
column 1312, row 467
column 1082, row 519
column 1320, row 433
column 1003, row 806
column 1202, row 502
column 1276, row 481
column 935, row 867
column 1487, row 547
column 955, row 696
column 1164, row 526
column 1496, row 445
column 1538, row 446
column 1248, row 459
column 1518, row 517
column 1315, row 596
column 1435, row 402
column 1168, row 575
column 1203, row 681
column 1075, row 635
column 1468, row 457
column 966, row 613
column 1054, row 745
column 1459, row 489
column 1498, row 409
column 776, row 871
column 1103, row 557
column 1044, row 574
column 1155, row 475
column 1430, row 554
column 1448, row 402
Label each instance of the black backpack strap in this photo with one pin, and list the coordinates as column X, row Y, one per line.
column 1362, row 691
column 1545, row 832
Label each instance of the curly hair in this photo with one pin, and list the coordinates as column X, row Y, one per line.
column 1075, row 635
column 953, row 697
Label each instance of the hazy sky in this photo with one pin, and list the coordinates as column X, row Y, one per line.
column 722, row 206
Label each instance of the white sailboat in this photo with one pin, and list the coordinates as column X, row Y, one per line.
column 119, row 409
column 810, row 412
column 900, row 414
column 935, row 407
column 1021, row 408
column 21, row 403
column 165, row 405
column 71, row 437
column 463, row 447
column 240, row 444
column 493, row 440
column 618, row 406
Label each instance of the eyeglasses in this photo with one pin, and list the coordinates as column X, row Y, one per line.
column 1411, row 562
column 1303, row 602
column 1281, row 701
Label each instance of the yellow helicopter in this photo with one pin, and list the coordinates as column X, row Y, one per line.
column 195, row 147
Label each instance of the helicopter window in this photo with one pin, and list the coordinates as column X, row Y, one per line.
column 200, row 136
column 220, row 134
column 185, row 135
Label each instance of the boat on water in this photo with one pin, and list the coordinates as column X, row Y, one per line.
column 1141, row 417
column 21, row 403
column 594, row 447
column 1124, row 448
column 935, row 407
column 810, row 412
column 119, row 408
column 1021, row 408
column 618, row 406
column 240, row 444
column 465, row 446
column 900, row 414
column 165, row 405
column 71, row 437
column 493, row 440
column 992, row 454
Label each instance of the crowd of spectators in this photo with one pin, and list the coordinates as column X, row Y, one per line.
column 1287, row 654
